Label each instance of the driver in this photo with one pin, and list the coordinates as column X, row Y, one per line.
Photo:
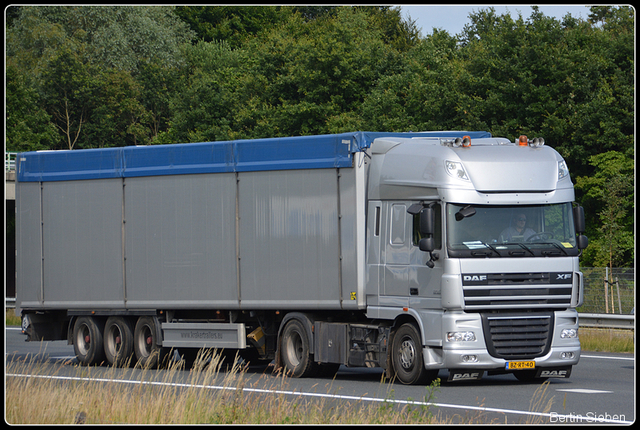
column 517, row 230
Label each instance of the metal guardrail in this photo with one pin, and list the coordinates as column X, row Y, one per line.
column 10, row 161
column 607, row 321
column 616, row 321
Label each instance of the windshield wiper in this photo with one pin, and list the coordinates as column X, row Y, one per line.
column 526, row 248
column 546, row 253
column 484, row 254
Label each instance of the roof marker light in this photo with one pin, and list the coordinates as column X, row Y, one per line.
column 523, row 141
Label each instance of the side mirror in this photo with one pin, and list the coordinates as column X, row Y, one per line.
column 427, row 221
column 427, row 228
column 427, row 244
column 583, row 241
column 578, row 219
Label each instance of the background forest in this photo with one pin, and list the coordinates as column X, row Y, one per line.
column 86, row 77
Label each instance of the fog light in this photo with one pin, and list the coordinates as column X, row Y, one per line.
column 469, row 358
column 569, row 333
column 461, row 336
column 567, row 355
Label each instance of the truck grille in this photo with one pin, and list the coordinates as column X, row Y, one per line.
column 517, row 336
column 517, row 290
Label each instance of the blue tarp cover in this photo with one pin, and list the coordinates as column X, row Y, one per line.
column 285, row 153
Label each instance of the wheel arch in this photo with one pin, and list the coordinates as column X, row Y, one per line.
column 307, row 321
column 412, row 318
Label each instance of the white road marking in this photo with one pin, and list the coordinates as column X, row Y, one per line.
column 555, row 416
column 584, row 391
column 607, row 358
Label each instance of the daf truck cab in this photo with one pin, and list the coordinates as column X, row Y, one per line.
column 481, row 248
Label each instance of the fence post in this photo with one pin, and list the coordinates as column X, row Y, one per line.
column 618, row 290
column 606, row 289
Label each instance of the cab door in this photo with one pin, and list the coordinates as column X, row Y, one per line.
column 397, row 254
column 405, row 269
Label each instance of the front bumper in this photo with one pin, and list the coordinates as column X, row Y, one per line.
column 473, row 355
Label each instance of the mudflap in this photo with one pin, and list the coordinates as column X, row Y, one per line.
column 554, row 372
column 465, row 375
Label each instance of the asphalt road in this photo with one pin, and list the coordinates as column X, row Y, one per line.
column 601, row 389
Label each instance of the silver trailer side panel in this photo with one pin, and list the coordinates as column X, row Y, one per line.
column 289, row 239
column 28, row 244
column 180, row 241
column 82, row 243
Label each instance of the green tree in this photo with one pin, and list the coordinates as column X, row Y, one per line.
column 317, row 74
column 610, row 193
column 231, row 24
column 68, row 88
column 422, row 95
column 84, row 63
column 117, row 117
column 28, row 125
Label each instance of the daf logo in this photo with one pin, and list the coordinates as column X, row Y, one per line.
column 475, row 277
column 553, row 374
column 563, row 276
column 459, row 376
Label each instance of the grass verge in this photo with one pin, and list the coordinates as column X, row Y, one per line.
column 208, row 396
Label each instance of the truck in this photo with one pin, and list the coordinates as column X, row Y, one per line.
column 364, row 249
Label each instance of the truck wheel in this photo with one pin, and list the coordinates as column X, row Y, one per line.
column 145, row 343
column 87, row 341
column 406, row 356
column 295, row 350
column 118, row 341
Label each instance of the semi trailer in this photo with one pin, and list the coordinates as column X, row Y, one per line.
column 412, row 252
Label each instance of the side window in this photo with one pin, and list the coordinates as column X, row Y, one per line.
column 437, row 209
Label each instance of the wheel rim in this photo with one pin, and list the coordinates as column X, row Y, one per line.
column 294, row 349
column 407, row 353
column 114, row 340
column 145, row 341
column 83, row 339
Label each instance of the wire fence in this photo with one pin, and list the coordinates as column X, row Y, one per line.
column 610, row 291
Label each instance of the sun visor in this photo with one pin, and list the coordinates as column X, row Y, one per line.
column 507, row 169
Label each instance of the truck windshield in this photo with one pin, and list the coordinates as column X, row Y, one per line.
column 510, row 231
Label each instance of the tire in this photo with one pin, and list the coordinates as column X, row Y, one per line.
column 295, row 351
column 145, row 343
column 328, row 370
column 118, row 341
column 406, row 357
column 87, row 341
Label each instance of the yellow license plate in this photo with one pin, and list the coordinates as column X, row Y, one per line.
column 519, row 365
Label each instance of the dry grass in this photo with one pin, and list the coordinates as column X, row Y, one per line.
column 99, row 396
column 607, row 340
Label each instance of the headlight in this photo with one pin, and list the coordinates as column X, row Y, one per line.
column 563, row 171
column 569, row 333
column 456, row 169
column 461, row 336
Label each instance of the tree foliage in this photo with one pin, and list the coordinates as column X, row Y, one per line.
column 98, row 76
